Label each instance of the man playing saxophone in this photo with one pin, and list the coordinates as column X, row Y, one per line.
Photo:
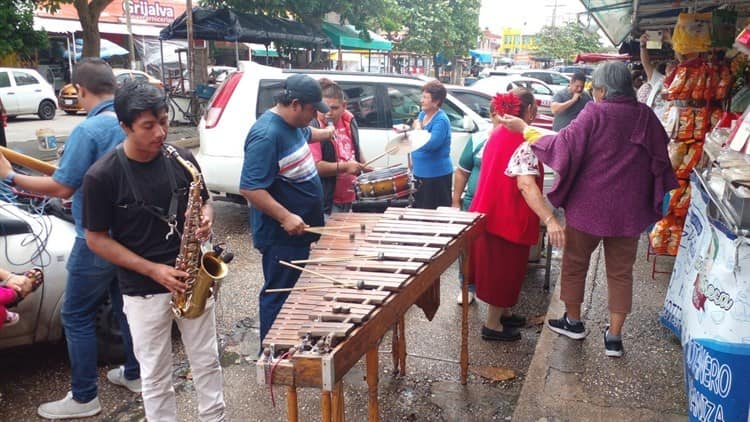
column 135, row 203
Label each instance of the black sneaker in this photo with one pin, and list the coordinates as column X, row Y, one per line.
column 513, row 320
column 562, row 326
column 612, row 348
column 508, row 334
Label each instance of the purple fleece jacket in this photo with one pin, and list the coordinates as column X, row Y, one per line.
column 613, row 168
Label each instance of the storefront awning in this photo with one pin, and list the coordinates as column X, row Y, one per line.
column 618, row 18
column 347, row 37
column 481, row 56
column 228, row 25
column 63, row 26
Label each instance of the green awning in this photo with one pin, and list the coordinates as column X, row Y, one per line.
column 347, row 37
column 261, row 52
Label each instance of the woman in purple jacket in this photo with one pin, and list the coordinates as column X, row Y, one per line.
column 613, row 173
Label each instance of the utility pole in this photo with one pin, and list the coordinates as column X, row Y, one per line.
column 554, row 14
column 131, row 49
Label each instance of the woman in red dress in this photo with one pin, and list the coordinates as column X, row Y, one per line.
column 510, row 194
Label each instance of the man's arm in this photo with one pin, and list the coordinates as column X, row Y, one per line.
column 113, row 251
column 265, row 203
column 559, row 107
column 648, row 67
column 319, row 135
column 45, row 185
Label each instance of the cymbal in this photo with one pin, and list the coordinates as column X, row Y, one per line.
column 406, row 142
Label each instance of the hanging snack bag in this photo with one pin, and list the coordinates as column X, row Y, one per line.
column 692, row 33
column 678, row 82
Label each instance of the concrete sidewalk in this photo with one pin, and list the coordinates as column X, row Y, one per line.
column 571, row 380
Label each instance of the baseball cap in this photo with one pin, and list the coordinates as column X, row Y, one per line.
column 306, row 90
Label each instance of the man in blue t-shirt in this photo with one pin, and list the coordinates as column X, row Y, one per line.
column 90, row 278
column 281, row 183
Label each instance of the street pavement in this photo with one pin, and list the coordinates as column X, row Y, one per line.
column 555, row 379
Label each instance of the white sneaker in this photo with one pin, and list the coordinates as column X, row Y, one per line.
column 460, row 299
column 117, row 377
column 68, row 408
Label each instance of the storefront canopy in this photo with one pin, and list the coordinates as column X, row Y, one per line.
column 618, row 18
column 107, row 49
column 229, row 25
column 481, row 56
column 347, row 37
column 600, row 57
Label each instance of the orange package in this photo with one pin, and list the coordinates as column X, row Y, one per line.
column 710, row 77
column 677, row 151
column 690, row 160
column 700, row 84
column 659, row 236
column 686, row 124
column 725, row 81
column 693, row 74
column 702, row 121
column 679, row 199
column 678, row 82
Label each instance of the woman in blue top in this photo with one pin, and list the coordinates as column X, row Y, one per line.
column 432, row 162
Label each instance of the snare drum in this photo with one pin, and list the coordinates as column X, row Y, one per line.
column 381, row 183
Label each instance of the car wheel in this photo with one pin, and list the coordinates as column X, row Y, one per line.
column 71, row 112
column 46, row 110
column 108, row 335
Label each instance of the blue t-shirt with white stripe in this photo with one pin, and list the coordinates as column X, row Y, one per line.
column 278, row 160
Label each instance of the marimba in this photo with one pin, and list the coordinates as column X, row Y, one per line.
column 359, row 282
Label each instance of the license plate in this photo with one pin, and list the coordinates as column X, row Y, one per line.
column 68, row 102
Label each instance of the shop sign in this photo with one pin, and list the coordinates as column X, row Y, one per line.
column 708, row 305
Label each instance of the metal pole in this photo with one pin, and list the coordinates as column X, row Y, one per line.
column 161, row 53
column 73, row 35
column 237, row 53
column 189, row 11
column 70, row 54
column 130, row 34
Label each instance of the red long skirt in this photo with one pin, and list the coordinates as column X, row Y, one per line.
column 498, row 269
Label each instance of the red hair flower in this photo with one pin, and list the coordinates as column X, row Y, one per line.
column 507, row 103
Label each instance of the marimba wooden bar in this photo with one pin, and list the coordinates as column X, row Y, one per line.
column 321, row 333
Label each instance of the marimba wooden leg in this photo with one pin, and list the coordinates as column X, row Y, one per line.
column 337, row 396
column 465, row 317
column 402, row 346
column 395, row 348
column 372, row 384
column 325, row 405
column 291, row 403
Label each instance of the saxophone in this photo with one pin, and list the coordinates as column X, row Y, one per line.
column 205, row 269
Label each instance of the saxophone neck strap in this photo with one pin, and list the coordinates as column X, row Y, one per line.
column 169, row 217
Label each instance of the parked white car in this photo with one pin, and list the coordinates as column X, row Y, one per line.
column 542, row 92
column 378, row 101
column 32, row 237
column 25, row 91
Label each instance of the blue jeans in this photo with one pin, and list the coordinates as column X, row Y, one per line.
column 90, row 279
column 277, row 276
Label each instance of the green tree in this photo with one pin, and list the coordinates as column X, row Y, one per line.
column 89, row 12
column 564, row 42
column 449, row 27
column 17, row 27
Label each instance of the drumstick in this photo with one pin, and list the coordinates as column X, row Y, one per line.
column 305, row 270
column 378, row 257
column 361, row 227
column 293, row 289
column 390, row 150
column 349, row 236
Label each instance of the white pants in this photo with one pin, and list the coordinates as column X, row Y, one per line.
column 150, row 320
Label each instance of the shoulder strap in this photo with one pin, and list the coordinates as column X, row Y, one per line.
column 169, row 217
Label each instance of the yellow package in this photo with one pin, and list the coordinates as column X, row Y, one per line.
column 692, row 34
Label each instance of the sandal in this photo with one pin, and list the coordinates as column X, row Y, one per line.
column 11, row 318
column 36, row 276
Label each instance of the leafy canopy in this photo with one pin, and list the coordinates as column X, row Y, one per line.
column 17, row 29
column 564, row 42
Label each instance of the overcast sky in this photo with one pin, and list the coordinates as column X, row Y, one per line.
column 496, row 14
